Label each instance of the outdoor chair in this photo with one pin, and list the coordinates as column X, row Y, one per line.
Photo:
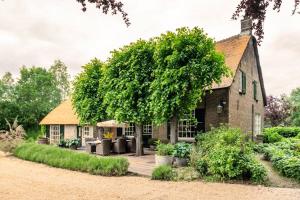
column 104, row 147
column 119, row 146
column 90, row 148
column 131, row 145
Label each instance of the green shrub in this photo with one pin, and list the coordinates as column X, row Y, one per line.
column 164, row 149
column 270, row 135
column 67, row 159
column 286, row 132
column 186, row 174
column 285, row 157
column 164, row 173
column 225, row 154
column 182, row 150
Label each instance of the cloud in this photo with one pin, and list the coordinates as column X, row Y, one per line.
column 35, row 33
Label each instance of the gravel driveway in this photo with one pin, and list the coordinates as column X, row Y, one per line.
column 26, row 180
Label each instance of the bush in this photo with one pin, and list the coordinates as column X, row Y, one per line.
column 225, row 154
column 164, row 149
column 286, row 132
column 285, row 157
column 182, row 150
column 164, row 173
column 270, row 136
column 186, row 174
column 67, row 159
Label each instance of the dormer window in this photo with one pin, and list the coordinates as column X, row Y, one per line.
column 242, row 89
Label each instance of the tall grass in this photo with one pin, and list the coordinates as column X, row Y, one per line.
column 67, row 159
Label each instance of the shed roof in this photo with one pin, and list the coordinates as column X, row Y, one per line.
column 62, row 114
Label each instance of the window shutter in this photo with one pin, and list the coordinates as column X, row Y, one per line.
column 243, row 83
column 62, row 132
column 47, row 131
column 255, row 90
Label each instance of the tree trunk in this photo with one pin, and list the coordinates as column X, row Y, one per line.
column 139, row 140
column 173, row 130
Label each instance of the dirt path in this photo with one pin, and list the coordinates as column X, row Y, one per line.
column 275, row 178
column 26, row 180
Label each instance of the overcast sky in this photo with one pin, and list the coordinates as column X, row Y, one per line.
column 37, row 32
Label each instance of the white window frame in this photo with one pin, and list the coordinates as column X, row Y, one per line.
column 148, row 129
column 86, row 131
column 54, row 134
column 257, row 124
column 130, row 130
column 186, row 127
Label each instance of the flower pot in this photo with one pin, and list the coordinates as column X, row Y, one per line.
column 73, row 147
column 180, row 162
column 163, row 160
column 152, row 147
column 43, row 141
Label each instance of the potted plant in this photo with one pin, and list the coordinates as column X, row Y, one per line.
column 63, row 143
column 152, row 143
column 42, row 139
column 73, row 143
column 163, row 154
column 181, row 154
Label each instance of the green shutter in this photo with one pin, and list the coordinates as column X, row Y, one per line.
column 62, row 132
column 255, row 90
column 47, row 131
column 243, row 83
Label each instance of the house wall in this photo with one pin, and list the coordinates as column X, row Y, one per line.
column 70, row 132
column 212, row 100
column 240, row 106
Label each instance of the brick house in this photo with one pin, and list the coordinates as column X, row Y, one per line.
column 238, row 100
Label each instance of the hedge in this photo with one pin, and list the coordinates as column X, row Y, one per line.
column 286, row 132
column 67, row 159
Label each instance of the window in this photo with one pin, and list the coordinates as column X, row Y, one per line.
column 242, row 88
column 86, row 131
column 54, row 134
column 129, row 131
column 255, row 90
column 147, row 129
column 187, row 126
column 257, row 124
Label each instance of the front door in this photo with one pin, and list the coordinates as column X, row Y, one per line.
column 147, row 134
column 86, row 132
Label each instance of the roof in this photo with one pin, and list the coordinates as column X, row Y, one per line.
column 233, row 49
column 111, row 123
column 62, row 114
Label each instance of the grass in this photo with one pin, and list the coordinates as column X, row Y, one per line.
column 67, row 159
column 164, row 173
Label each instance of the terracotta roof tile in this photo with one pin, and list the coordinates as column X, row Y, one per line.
column 233, row 49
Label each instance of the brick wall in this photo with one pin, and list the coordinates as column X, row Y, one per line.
column 240, row 106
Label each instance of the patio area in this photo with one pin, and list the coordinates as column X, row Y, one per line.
column 141, row 165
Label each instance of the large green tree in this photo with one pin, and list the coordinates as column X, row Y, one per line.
column 187, row 66
column 87, row 95
column 62, row 77
column 295, row 99
column 128, row 79
column 37, row 94
column 8, row 106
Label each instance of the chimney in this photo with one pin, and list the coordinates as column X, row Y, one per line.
column 246, row 26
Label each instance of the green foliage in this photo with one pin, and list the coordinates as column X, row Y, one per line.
column 88, row 94
column 276, row 134
column 33, row 134
column 187, row 65
column 164, row 149
column 67, row 159
column 37, row 94
column 127, row 81
column 285, row 157
column 69, row 143
column 182, row 150
column 186, row 174
column 152, row 141
column 271, row 136
column 224, row 154
column 295, row 99
column 164, row 173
